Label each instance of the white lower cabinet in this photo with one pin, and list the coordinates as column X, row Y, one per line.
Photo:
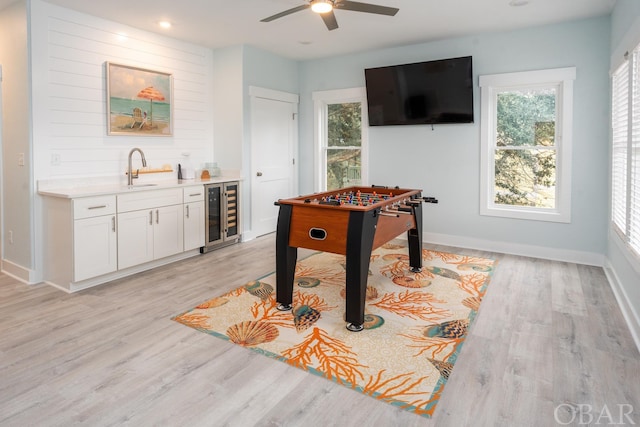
column 168, row 231
column 135, row 238
column 93, row 239
column 153, row 232
column 79, row 239
column 95, row 250
column 194, row 217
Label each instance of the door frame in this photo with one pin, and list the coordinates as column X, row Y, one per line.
column 275, row 95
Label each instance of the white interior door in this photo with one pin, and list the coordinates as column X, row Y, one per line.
column 274, row 135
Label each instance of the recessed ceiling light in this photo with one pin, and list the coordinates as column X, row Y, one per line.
column 518, row 2
column 165, row 24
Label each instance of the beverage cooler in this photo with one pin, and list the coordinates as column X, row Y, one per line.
column 222, row 215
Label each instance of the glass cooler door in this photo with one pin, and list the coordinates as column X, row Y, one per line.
column 214, row 214
column 231, row 190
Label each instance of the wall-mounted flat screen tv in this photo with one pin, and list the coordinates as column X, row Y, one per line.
column 430, row 92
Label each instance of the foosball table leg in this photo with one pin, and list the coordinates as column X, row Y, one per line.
column 286, row 257
column 414, row 238
column 360, row 234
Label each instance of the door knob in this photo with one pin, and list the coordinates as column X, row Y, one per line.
column 259, row 174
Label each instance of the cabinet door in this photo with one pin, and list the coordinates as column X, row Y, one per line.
column 94, row 247
column 135, row 237
column 168, row 231
column 193, row 225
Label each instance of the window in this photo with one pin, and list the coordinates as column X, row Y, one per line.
column 625, row 152
column 526, row 129
column 340, row 138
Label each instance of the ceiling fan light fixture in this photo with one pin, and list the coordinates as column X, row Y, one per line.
column 322, row 6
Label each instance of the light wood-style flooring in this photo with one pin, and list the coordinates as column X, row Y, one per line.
column 549, row 339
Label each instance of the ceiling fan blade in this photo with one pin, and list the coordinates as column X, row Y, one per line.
column 366, row 7
column 329, row 19
column 286, row 12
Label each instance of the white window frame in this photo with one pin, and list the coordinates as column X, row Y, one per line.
column 321, row 100
column 490, row 85
column 621, row 102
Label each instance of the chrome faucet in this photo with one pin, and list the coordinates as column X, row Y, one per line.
column 130, row 175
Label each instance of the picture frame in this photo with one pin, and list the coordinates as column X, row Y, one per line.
column 139, row 101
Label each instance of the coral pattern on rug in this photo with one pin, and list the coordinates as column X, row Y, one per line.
column 415, row 323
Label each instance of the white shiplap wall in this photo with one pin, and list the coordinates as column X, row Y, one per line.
column 69, row 51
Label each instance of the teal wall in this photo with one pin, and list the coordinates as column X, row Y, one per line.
column 235, row 69
column 623, row 17
column 445, row 161
column 267, row 70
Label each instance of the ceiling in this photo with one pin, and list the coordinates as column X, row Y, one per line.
column 303, row 35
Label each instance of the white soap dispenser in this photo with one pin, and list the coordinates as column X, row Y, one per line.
column 187, row 168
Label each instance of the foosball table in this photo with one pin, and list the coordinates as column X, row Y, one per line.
column 352, row 221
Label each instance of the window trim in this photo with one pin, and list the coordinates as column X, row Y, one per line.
column 626, row 67
column 490, row 85
column 321, row 100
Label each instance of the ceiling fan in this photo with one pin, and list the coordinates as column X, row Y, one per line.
column 325, row 9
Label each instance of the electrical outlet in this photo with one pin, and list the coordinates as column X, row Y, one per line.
column 10, row 237
column 20, row 159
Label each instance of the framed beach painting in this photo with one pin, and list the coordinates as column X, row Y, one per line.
column 139, row 101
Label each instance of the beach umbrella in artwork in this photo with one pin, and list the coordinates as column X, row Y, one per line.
column 152, row 94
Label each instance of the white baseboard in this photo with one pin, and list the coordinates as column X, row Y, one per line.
column 565, row 255
column 628, row 311
column 18, row 272
column 247, row 235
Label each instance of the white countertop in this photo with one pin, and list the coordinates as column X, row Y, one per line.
column 71, row 189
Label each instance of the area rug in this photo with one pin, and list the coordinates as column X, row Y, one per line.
column 415, row 323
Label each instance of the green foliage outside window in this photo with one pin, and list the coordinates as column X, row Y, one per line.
column 344, row 142
column 525, row 155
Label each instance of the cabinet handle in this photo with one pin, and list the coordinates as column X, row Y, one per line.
column 113, row 224
column 194, row 194
column 97, row 207
column 157, row 216
column 150, row 217
column 187, row 211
